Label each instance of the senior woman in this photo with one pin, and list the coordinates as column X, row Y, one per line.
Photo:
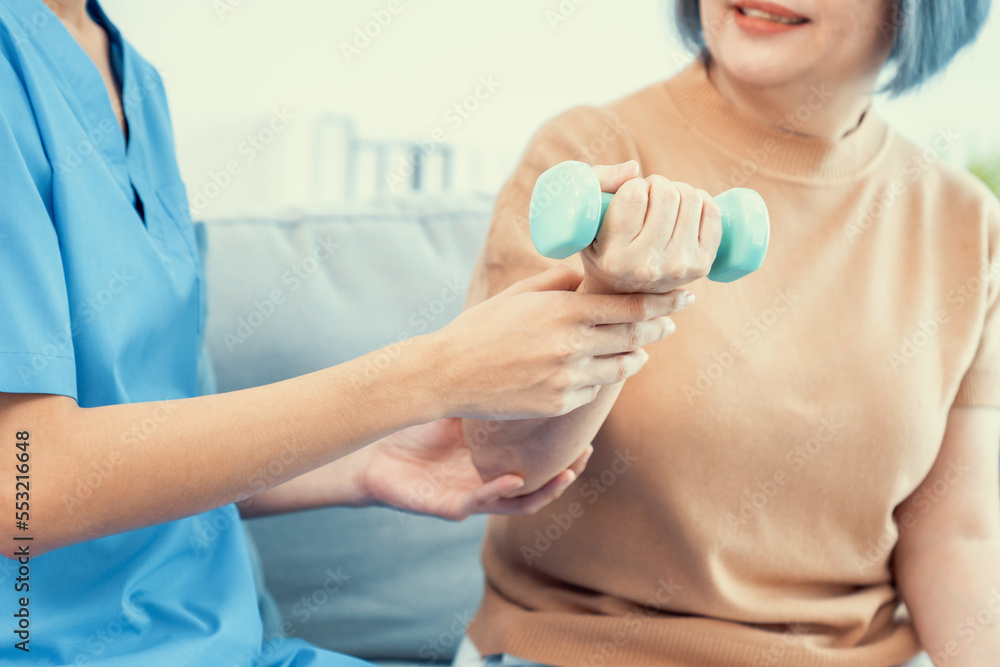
column 818, row 443
column 127, row 546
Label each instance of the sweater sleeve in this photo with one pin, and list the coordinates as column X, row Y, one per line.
column 594, row 135
column 981, row 384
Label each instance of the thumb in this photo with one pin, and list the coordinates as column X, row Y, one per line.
column 561, row 278
column 614, row 176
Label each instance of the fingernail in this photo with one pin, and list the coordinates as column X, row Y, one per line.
column 688, row 299
column 626, row 166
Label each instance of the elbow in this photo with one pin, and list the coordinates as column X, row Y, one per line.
column 49, row 524
column 918, row 560
column 26, row 541
column 17, row 551
column 945, row 527
column 21, row 551
column 969, row 527
column 43, row 522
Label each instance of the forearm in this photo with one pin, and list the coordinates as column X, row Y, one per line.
column 952, row 589
column 101, row 471
column 537, row 449
column 338, row 483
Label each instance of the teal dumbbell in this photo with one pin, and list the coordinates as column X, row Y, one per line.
column 567, row 208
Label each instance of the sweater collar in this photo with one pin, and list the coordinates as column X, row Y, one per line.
column 775, row 149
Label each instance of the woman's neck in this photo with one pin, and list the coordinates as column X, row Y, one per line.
column 71, row 12
column 812, row 109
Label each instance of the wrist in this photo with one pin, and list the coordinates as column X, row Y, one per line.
column 357, row 488
column 592, row 284
column 424, row 382
column 397, row 386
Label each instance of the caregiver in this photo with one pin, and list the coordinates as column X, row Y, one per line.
column 91, row 201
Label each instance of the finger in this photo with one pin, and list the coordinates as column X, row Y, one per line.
column 533, row 502
column 614, row 176
column 612, row 370
column 710, row 229
column 485, row 497
column 661, row 214
column 617, row 309
column 624, row 218
column 688, row 224
column 618, row 338
column 561, row 278
column 581, row 462
column 581, row 396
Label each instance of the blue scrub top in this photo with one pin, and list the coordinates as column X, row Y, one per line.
column 102, row 304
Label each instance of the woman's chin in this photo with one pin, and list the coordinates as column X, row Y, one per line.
column 751, row 68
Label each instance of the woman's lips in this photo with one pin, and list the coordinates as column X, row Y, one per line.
column 766, row 18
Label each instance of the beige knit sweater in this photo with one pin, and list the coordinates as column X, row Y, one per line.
column 738, row 509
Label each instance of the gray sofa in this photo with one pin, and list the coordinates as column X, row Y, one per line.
column 291, row 297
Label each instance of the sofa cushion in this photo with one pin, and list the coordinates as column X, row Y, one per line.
column 292, row 297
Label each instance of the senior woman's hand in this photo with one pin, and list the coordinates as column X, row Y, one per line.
column 540, row 349
column 657, row 236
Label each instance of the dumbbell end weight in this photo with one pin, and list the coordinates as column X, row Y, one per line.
column 746, row 232
column 566, row 209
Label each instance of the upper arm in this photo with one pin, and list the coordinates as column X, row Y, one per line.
column 36, row 342
column 960, row 497
column 588, row 134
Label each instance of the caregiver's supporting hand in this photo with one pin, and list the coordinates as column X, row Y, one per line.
column 425, row 469
column 549, row 351
column 527, row 353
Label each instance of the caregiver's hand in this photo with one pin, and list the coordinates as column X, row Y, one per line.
column 539, row 349
column 657, row 235
column 428, row 469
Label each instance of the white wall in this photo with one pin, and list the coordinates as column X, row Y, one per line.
column 229, row 63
